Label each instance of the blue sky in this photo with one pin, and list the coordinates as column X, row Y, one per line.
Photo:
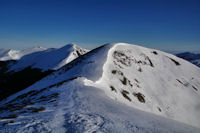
column 170, row 25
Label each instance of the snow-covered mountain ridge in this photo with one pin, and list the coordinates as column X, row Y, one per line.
column 153, row 81
column 35, row 64
column 50, row 59
column 111, row 89
column 42, row 58
column 16, row 55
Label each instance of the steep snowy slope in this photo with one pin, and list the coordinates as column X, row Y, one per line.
column 153, row 81
column 114, row 88
column 15, row 55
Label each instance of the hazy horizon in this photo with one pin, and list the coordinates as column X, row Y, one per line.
column 91, row 48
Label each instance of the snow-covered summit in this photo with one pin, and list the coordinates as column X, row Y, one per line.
column 114, row 88
column 153, row 81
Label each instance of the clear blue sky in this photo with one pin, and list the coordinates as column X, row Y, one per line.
column 170, row 25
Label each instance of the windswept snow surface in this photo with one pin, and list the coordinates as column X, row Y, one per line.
column 153, row 81
column 49, row 59
column 114, row 88
column 15, row 55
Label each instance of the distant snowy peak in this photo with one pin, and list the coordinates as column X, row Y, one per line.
column 69, row 52
column 49, row 59
column 16, row 55
column 8, row 54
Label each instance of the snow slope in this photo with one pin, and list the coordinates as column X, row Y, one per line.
column 50, row 58
column 15, row 55
column 114, row 88
column 153, row 81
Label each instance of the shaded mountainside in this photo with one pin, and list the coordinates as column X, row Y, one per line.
column 16, row 75
column 191, row 57
column 11, row 83
column 114, row 88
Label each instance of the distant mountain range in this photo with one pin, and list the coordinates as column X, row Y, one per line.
column 15, row 54
column 191, row 57
column 119, row 88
